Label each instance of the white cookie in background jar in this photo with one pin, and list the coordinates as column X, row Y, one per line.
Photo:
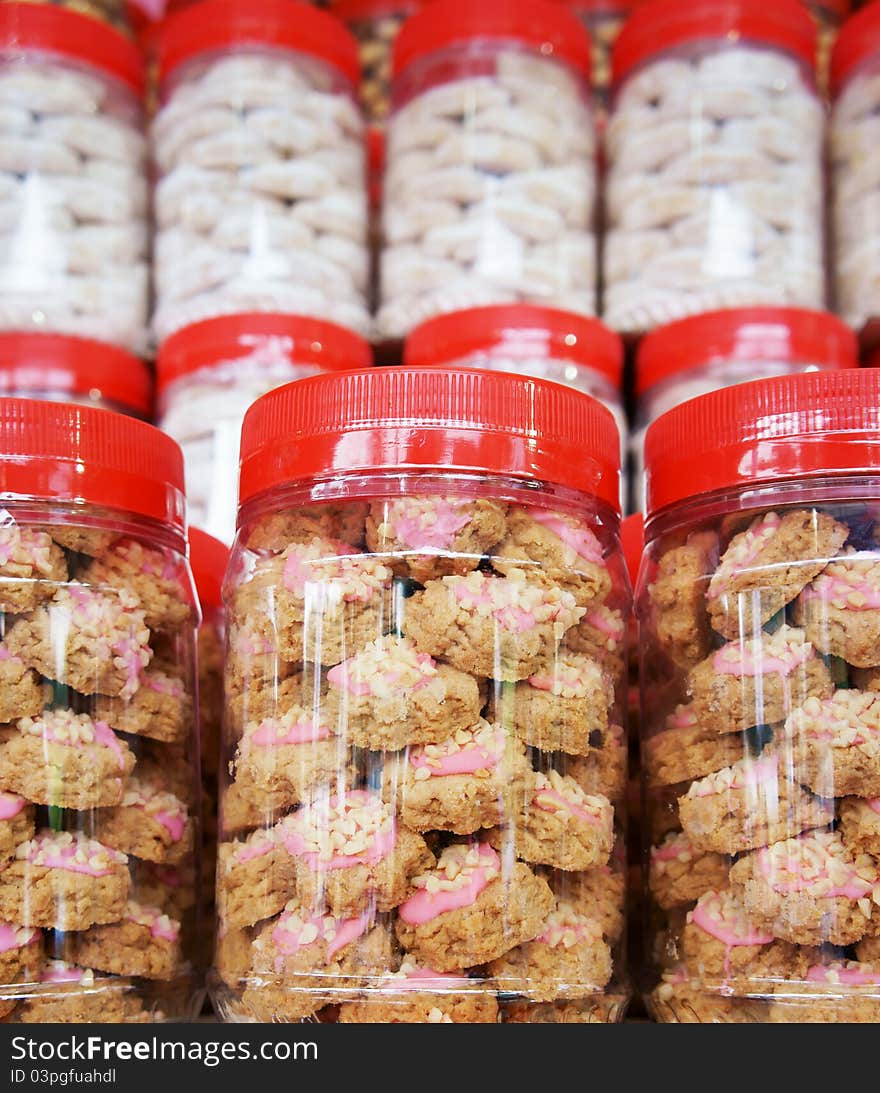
column 490, row 172
column 259, row 148
column 73, row 195
column 715, row 194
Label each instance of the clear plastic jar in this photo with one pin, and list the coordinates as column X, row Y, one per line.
column 423, row 681
column 759, row 608
column 73, row 213
column 59, row 368
column 491, row 177
column 261, row 203
column 604, row 21
column 715, row 188
column 98, row 755
column 212, row 372
column 703, row 353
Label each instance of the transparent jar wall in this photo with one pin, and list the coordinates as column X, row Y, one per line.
column 489, row 188
column 78, row 399
column 367, row 639
column 98, row 769
column 261, row 202
column 211, row 643
column 761, row 755
column 828, row 23
column 73, row 258
column 715, row 189
column 854, row 122
column 204, row 412
column 604, row 27
column 375, row 36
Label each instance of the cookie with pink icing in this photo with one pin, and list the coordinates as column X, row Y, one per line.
column 416, row 994
column 241, row 812
column 253, row 672
column 275, row 531
column 840, row 609
column 72, row 995
column 603, row 770
column 601, row 636
column 598, row 892
column 766, row 566
column 471, row 907
column 505, row 628
column 555, row 548
column 22, row 693
column 679, row 872
column 90, row 541
column 757, row 801
column 560, row 707
column 860, row 825
column 149, row 823
column 155, row 578
column 161, row 709
column 471, row 780
column 94, row 641
column 16, row 823
column 434, row 536
column 836, row 743
column 677, row 598
column 559, row 825
column 31, row 568
column 65, row 759
column 21, row 958
column 390, row 695
column 171, row 887
column 684, row 999
column 144, row 942
column 64, row 881
column 686, row 749
column 810, row 890
column 842, row 992
column 757, row 681
column 255, row 878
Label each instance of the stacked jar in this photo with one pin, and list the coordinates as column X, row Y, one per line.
column 74, row 248
column 604, row 21
column 209, row 375
column 703, row 353
column 98, row 753
column 715, row 189
column 424, row 705
column 759, row 608
column 261, row 203
column 490, row 182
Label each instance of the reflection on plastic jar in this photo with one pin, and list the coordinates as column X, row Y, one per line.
column 98, row 753
column 209, row 376
column 259, row 144
column 715, row 192
column 490, row 183
column 721, row 348
column 759, row 610
column 424, row 686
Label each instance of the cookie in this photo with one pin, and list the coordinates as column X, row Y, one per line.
column 16, row 824
column 840, row 609
column 680, row 872
column 836, row 742
column 678, row 596
column 145, row 942
column 31, row 568
column 149, row 823
column 418, row 995
column 153, row 578
column 685, row 749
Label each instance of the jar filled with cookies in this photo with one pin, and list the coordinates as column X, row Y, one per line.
column 259, row 146
column 759, row 610
column 424, row 706
column 715, row 189
column 98, row 754
column 490, row 179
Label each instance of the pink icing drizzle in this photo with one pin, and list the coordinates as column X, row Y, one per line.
column 413, row 531
column 11, row 805
column 382, row 845
column 346, row 564
column 581, row 540
column 874, row 805
column 670, row 851
column 6, row 655
column 258, row 848
column 419, row 979
column 753, row 541
column 464, row 761
column 851, row 976
column 345, row 676
column 347, row 931
column 606, row 623
column 61, row 973
column 747, row 664
column 108, row 739
column 425, row 906
column 173, row 688
column 173, row 822
column 272, row 733
column 9, row 940
column 509, row 616
column 701, row 917
column 855, row 888
column 551, row 797
column 64, row 859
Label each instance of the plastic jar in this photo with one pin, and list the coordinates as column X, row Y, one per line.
column 426, row 641
column 73, row 257
column 604, row 21
column 715, row 189
column 829, row 16
column 758, row 604
column 490, row 183
column 261, row 203
column 98, row 756
column 212, row 372
column 703, row 353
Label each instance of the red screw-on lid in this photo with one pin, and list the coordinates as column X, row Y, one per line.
column 547, row 26
column 59, row 364
column 602, row 7
column 80, row 37
column 772, row 334
column 208, row 558
column 284, row 24
column 352, row 11
column 664, row 24
column 840, row 9
column 57, row 451
column 815, row 423
column 408, row 419
column 858, row 41
column 260, row 336
column 517, row 331
column 632, row 539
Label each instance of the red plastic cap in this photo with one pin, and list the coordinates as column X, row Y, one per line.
column 260, row 336
column 59, row 364
column 282, row 24
column 817, row 423
column 632, row 539
column 208, row 558
column 602, row 7
column 665, row 24
column 354, row 11
column 517, row 331
column 857, row 42
column 69, row 34
column 549, row 27
column 429, row 419
column 771, row 334
column 56, row 451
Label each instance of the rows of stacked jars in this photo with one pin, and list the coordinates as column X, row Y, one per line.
column 424, row 686
column 98, row 828
column 758, row 610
